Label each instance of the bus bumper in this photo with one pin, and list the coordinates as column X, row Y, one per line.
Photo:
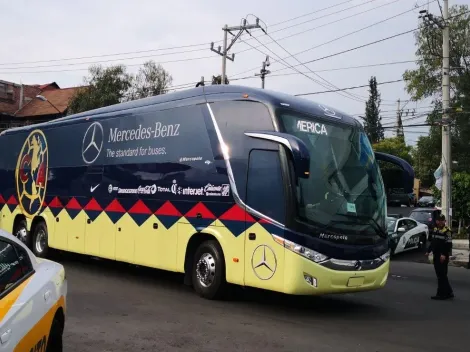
column 304, row 277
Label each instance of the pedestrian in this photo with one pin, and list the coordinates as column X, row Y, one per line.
column 440, row 246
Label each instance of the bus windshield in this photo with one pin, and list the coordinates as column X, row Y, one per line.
column 344, row 190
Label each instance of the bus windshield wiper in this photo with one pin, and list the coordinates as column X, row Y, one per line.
column 377, row 227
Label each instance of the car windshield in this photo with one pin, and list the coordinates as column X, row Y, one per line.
column 344, row 190
column 421, row 216
column 391, row 224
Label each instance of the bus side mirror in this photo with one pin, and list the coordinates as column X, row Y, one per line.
column 296, row 146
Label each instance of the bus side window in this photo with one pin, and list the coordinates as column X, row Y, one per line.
column 265, row 190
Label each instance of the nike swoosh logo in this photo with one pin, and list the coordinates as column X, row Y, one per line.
column 92, row 189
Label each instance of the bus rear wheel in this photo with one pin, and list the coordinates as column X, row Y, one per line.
column 40, row 245
column 208, row 270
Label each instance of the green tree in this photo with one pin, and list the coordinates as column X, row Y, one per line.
column 113, row 85
column 151, row 80
column 425, row 82
column 425, row 162
column 104, row 86
column 372, row 120
column 394, row 146
column 460, row 195
column 218, row 80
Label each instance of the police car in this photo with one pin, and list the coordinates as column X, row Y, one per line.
column 406, row 234
column 32, row 299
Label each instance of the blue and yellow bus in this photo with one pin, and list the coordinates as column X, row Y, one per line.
column 226, row 184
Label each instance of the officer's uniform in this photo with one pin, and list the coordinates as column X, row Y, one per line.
column 441, row 244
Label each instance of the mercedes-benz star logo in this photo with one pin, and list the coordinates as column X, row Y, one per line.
column 329, row 112
column 92, row 143
column 264, row 262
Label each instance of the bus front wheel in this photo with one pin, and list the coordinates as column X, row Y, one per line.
column 208, row 271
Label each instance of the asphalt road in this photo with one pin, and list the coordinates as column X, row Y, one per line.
column 117, row 307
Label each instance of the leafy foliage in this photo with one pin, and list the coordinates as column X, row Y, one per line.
column 394, row 146
column 425, row 82
column 218, row 80
column 372, row 121
column 151, row 80
column 461, row 194
column 113, row 85
column 105, row 86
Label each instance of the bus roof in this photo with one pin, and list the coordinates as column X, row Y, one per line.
column 270, row 97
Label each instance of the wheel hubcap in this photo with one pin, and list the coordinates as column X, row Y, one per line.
column 21, row 234
column 40, row 241
column 205, row 269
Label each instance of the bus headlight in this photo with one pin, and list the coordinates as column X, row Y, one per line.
column 385, row 256
column 308, row 253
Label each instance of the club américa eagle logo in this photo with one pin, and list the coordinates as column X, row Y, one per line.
column 31, row 173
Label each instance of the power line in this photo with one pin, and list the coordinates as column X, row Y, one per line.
column 100, row 61
column 107, row 55
column 354, row 48
column 311, row 29
column 176, row 47
column 347, row 88
column 86, row 69
column 311, row 13
column 286, row 64
column 365, row 45
column 353, row 32
column 347, row 95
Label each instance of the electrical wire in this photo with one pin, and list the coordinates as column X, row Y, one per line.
column 367, row 44
column 340, row 37
column 286, row 64
column 347, row 88
column 130, row 65
column 314, row 28
column 181, row 46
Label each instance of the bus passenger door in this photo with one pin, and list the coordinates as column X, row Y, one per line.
column 264, row 258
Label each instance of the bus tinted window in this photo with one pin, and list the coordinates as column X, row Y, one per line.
column 265, row 186
column 234, row 119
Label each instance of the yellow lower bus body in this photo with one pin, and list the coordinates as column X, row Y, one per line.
column 150, row 243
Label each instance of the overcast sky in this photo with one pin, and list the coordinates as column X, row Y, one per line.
column 55, row 29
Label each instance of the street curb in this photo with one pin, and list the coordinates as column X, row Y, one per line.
column 460, row 246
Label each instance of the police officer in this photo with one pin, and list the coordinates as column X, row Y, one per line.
column 441, row 246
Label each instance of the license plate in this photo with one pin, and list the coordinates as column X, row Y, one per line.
column 355, row 281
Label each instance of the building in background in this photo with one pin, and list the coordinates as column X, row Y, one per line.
column 22, row 104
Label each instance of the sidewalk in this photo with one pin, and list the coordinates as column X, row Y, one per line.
column 460, row 254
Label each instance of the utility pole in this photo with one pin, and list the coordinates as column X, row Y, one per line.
column 201, row 82
column 399, row 121
column 227, row 47
column 446, row 160
column 263, row 72
column 446, row 145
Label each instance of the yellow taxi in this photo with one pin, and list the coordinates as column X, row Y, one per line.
column 33, row 295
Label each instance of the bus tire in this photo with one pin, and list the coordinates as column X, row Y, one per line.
column 208, row 270
column 20, row 231
column 40, row 246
